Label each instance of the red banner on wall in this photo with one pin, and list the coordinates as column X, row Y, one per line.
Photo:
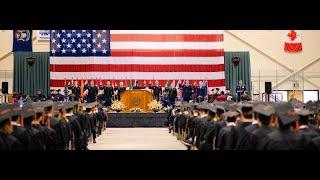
column 293, row 42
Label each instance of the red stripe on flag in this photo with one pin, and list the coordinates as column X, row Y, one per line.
column 168, row 52
column 136, row 68
column 168, row 37
column 211, row 83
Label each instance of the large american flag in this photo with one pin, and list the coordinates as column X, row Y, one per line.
column 114, row 55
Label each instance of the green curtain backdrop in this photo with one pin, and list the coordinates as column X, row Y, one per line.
column 27, row 79
column 234, row 73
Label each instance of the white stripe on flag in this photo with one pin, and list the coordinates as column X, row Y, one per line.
column 166, row 32
column 138, row 60
column 166, row 45
column 137, row 75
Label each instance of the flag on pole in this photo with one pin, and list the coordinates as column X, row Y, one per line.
column 293, row 42
column 130, row 85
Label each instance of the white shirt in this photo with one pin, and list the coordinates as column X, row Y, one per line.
column 303, row 127
column 255, row 122
column 231, row 124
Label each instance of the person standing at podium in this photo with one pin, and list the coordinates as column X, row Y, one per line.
column 108, row 93
column 240, row 89
column 121, row 89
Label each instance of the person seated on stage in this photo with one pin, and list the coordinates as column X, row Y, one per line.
column 245, row 96
column 40, row 96
column 221, row 97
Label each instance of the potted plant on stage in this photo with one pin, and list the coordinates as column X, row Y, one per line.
column 117, row 106
column 135, row 109
column 155, row 106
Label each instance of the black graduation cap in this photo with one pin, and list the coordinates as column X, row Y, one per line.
column 264, row 109
column 15, row 110
column 304, row 112
column 246, row 107
column 230, row 114
column 5, row 113
column 287, row 118
column 28, row 111
column 283, row 107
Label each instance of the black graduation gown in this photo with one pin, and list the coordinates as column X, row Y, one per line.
column 35, row 135
column 196, row 127
column 60, row 133
column 227, row 138
column 190, row 127
column 9, row 142
column 182, row 122
column 282, row 140
column 306, row 135
column 258, row 136
column 220, row 124
column 243, row 136
column 43, row 135
column 201, row 130
column 177, row 122
column 314, row 144
column 250, row 128
column 21, row 134
column 76, row 132
column 210, row 134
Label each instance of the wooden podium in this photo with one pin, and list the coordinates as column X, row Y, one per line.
column 136, row 99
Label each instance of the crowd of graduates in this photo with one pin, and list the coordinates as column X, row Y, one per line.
column 48, row 125
column 247, row 125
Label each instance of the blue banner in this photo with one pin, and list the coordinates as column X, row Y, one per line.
column 22, row 40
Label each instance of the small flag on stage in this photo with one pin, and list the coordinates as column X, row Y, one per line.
column 22, row 40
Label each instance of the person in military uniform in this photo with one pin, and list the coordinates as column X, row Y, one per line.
column 108, row 93
column 285, row 137
column 305, row 133
column 7, row 140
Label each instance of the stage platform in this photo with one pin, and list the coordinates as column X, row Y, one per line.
column 137, row 120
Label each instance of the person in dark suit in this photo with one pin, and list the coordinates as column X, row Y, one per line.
column 121, row 89
column 92, row 92
column 108, row 93
column 136, row 86
column 75, row 92
column 157, row 91
column 187, row 92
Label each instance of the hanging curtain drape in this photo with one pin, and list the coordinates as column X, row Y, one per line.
column 234, row 73
column 27, row 79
